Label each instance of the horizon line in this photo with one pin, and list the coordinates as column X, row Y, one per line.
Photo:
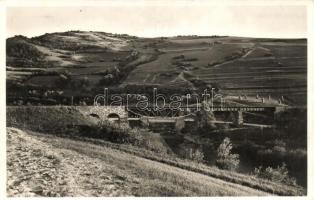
column 160, row 36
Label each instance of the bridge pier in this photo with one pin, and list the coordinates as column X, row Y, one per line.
column 238, row 120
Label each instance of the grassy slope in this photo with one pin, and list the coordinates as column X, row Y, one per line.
column 33, row 118
column 140, row 176
column 47, row 119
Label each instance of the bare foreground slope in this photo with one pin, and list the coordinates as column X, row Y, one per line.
column 51, row 167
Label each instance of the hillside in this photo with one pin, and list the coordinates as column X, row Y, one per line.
column 109, row 172
column 47, row 140
column 78, row 62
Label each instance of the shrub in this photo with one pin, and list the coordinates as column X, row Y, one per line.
column 279, row 174
column 192, row 153
column 198, row 155
column 225, row 159
column 116, row 132
column 123, row 134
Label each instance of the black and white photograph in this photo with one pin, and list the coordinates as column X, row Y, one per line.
column 156, row 99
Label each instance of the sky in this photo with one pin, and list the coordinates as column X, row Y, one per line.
column 153, row 21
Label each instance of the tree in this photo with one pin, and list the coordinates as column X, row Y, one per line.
column 225, row 159
column 203, row 120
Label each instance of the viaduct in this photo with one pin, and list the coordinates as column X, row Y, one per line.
column 122, row 115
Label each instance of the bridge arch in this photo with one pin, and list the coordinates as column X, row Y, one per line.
column 104, row 113
column 94, row 115
column 114, row 117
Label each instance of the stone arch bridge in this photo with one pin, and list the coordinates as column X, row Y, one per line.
column 111, row 113
column 123, row 115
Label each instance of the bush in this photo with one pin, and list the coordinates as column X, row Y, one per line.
column 116, row 132
column 226, row 160
column 190, row 152
column 279, row 174
column 198, row 155
column 123, row 134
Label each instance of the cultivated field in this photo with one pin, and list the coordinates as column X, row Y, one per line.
column 238, row 66
column 241, row 67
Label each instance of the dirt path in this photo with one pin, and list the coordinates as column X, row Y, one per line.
column 181, row 77
column 248, row 53
column 36, row 168
column 233, row 60
column 39, row 166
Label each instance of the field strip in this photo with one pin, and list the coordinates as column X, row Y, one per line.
column 279, row 70
column 183, row 50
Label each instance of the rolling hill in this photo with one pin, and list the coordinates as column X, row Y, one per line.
column 77, row 62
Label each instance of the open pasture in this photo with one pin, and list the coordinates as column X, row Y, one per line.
column 287, row 51
column 169, row 65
